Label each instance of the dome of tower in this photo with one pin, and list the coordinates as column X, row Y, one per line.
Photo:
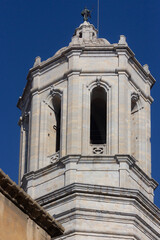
column 86, row 34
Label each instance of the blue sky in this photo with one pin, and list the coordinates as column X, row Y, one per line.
column 30, row 28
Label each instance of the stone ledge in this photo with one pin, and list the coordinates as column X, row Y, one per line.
column 24, row 202
column 81, row 48
column 103, row 191
column 95, row 235
column 107, row 216
column 137, row 170
column 103, row 159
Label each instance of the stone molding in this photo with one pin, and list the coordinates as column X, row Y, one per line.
column 57, row 59
column 95, row 235
column 137, row 170
column 53, row 92
column 103, row 159
column 94, row 192
column 103, row 190
column 80, row 72
column 99, row 82
column 113, row 48
column 104, row 215
column 24, row 202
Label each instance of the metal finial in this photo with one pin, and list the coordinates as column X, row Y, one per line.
column 86, row 14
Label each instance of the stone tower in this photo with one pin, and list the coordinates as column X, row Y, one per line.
column 85, row 152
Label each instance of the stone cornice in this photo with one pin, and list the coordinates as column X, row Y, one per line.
column 86, row 73
column 63, row 56
column 103, row 191
column 139, row 67
column 136, row 63
column 89, row 213
column 137, row 170
column 45, row 170
column 105, row 159
column 30, row 207
column 81, row 49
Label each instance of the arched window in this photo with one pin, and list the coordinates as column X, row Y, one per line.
column 54, row 125
column 26, row 149
column 134, row 126
column 25, row 140
column 57, row 109
column 98, row 116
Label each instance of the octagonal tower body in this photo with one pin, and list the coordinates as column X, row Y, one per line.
column 85, row 151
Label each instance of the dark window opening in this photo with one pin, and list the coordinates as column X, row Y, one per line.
column 134, row 127
column 26, row 152
column 98, row 116
column 80, row 35
column 134, row 107
column 26, row 133
column 57, row 108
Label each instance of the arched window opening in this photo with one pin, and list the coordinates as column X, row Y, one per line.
column 26, row 151
column 25, row 141
column 57, row 109
column 80, row 35
column 98, row 116
column 134, row 127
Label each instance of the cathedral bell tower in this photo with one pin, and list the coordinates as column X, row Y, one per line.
column 85, row 151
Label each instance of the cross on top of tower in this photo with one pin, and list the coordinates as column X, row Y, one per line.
column 86, row 14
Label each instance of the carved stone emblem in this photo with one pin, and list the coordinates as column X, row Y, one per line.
column 54, row 157
column 98, row 150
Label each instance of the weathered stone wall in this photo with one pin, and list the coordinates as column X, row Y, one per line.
column 16, row 225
